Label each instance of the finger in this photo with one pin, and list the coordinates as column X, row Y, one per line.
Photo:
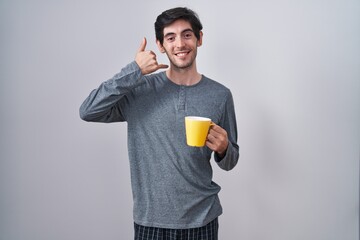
column 142, row 45
column 215, row 126
column 162, row 66
column 152, row 54
column 216, row 145
column 217, row 138
column 215, row 133
column 218, row 129
column 211, row 138
column 211, row 145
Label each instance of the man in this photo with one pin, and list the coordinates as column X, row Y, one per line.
column 174, row 195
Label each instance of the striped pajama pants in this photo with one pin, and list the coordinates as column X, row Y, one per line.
column 207, row 232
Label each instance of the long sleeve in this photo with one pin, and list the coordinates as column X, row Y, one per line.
column 165, row 171
column 228, row 122
column 104, row 103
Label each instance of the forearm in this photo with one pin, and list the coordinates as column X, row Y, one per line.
column 102, row 103
column 230, row 159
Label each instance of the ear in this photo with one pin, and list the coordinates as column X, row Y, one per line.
column 199, row 41
column 160, row 46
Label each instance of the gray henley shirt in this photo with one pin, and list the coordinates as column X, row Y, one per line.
column 171, row 182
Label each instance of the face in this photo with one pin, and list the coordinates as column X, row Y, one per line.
column 180, row 44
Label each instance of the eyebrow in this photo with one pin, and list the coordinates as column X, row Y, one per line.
column 185, row 30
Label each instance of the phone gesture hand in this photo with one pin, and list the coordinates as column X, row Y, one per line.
column 146, row 60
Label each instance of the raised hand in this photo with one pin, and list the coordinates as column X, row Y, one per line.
column 147, row 60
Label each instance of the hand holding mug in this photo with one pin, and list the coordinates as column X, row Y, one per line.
column 217, row 139
column 201, row 131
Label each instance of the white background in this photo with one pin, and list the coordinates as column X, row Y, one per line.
column 293, row 68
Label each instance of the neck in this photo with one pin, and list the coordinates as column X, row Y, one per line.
column 184, row 76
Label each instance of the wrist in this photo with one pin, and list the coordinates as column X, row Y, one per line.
column 222, row 153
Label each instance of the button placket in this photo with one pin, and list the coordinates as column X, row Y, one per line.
column 182, row 97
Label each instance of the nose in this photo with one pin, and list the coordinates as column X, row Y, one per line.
column 180, row 42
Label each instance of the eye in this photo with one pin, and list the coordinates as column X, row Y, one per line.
column 188, row 35
column 170, row 38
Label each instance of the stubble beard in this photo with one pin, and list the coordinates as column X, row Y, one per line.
column 185, row 66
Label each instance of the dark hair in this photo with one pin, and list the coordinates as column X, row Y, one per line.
column 169, row 16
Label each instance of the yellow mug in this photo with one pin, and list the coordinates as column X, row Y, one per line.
column 197, row 129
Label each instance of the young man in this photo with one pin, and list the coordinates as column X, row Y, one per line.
column 174, row 195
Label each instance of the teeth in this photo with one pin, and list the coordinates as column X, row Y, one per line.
column 181, row 54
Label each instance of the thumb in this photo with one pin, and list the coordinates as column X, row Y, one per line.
column 142, row 45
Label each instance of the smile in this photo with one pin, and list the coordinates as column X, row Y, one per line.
column 182, row 54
